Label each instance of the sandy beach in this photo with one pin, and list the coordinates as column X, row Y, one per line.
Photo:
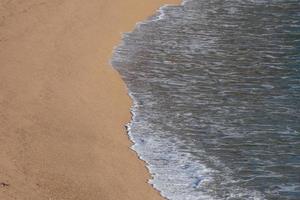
column 62, row 107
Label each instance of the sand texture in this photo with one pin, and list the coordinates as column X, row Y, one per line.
column 62, row 107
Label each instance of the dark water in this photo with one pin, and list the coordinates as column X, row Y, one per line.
column 216, row 86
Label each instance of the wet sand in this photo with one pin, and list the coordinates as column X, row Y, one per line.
column 62, row 107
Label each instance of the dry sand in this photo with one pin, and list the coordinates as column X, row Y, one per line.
column 62, row 107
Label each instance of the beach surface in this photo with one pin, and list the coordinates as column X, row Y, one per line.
column 62, row 106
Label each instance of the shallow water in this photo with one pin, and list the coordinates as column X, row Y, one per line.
column 216, row 90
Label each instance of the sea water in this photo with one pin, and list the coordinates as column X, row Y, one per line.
column 216, row 92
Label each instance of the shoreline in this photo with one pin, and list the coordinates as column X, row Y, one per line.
column 58, row 98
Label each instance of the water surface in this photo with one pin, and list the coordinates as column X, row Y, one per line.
column 216, row 87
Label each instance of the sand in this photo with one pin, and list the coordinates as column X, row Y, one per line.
column 62, row 107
